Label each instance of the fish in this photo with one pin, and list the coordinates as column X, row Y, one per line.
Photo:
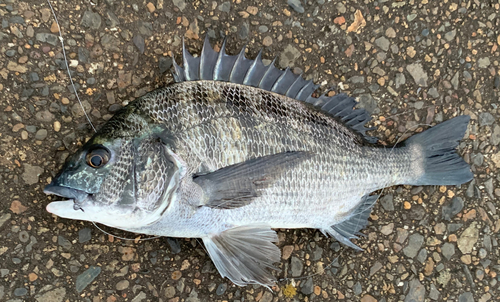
column 233, row 150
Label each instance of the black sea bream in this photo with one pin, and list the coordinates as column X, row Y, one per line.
column 234, row 149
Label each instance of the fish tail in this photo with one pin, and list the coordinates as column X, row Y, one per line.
column 436, row 161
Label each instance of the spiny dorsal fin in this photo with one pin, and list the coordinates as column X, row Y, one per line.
column 240, row 70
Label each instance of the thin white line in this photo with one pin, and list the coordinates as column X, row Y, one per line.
column 67, row 66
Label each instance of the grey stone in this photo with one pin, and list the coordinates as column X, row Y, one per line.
column 55, row 295
column 477, row 159
column 317, row 254
column 267, row 297
column 486, row 242
column 10, row 53
column 416, row 293
column 47, row 38
column 422, row 256
column 263, row 29
column 296, row 5
column 418, row 74
column 288, row 56
column 483, row 62
column 307, row 287
column 468, row 276
column 84, row 235
column 121, row 285
column 85, row 278
column 415, row 241
column 114, row 108
column 419, row 104
column 400, row 80
column 367, row 102
column 468, row 239
column 448, row 250
column 221, row 289
column 4, row 218
column 91, row 20
column 244, row 30
column 41, row 134
column 449, row 36
column 341, row 8
column 17, row 20
column 139, row 43
column 496, row 82
column 110, row 42
column 113, row 20
column 467, row 76
column 379, row 71
column 31, row 174
column 34, row 77
column 383, row 43
column 466, row 297
column 433, row 92
column 77, row 111
column 452, row 208
column 65, row 243
column 357, row 79
column 169, row 292
column 296, row 267
column 225, row 7
column 434, row 292
column 387, row 202
column 495, row 136
column 180, row 4
column 83, row 54
column 164, row 64
column 486, row 119
column 141, row 296
column 454, row 80
column 174, row 244
column 20, row 291
column 488, row 185
column 24, row 236
column 357, row 289
column 44, row 116
column 375, row 268
column 146, row 28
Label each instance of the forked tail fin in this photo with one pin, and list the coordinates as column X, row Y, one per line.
column 436, row 160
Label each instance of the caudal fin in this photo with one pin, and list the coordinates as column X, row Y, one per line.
column 435, row 149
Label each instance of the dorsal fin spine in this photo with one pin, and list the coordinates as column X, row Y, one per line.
column 240, row 70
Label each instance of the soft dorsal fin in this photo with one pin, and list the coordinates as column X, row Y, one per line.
column 237, row 69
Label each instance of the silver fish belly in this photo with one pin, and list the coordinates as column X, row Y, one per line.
column 235, row 149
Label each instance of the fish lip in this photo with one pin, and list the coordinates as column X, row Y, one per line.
column 77, row 196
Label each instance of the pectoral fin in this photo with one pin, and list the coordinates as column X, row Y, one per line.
column 237, row 185
column 243, row 254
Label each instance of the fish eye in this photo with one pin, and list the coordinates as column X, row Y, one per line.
column 97, row 157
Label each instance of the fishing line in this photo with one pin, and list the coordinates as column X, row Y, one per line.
column 67, row 66
column 123, row 238
column 85, row 113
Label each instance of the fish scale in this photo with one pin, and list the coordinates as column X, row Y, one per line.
column 236, row 148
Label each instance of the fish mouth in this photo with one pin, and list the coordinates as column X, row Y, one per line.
column 73, row 195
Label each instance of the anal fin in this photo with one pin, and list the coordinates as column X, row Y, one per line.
column 349, row 228
column 245, row 253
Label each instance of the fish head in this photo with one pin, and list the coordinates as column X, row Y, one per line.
column 124, row 182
